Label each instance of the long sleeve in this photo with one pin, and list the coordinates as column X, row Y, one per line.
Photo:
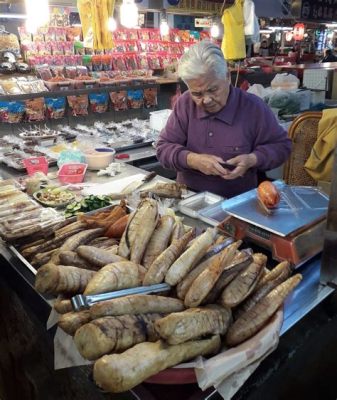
column 171, row 146
column 272, row 145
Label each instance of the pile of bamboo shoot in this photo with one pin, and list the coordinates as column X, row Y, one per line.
column 220, row 293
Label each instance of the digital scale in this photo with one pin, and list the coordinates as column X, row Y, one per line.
column 293, row 231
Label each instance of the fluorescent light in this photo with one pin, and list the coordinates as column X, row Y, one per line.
column 281, row 28
column 13, row 16
column 37, row 14
column 333, row 25
column 265, row 31
column 164, row 28
column 129, row 14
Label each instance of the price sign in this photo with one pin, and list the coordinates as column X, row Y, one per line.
column 202, row 22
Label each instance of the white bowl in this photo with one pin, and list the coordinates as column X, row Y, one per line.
column 100, row 158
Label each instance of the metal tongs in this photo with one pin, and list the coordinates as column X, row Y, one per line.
column 80, row 301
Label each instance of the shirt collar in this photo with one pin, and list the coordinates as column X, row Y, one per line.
column 227, row 113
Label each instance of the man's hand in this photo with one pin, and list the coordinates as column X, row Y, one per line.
column 206, row 163
column 242, row 163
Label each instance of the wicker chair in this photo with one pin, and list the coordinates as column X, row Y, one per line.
column 303, row 133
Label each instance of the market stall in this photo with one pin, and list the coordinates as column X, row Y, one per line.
column 19, row 275
column 119, row 283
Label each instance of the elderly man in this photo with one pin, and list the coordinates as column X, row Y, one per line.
column 218, row 136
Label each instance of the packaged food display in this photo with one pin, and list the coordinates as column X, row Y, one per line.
column 35, row 109
column 78, row 105
column 150, row 97
column 135, row 98
column 98, row 102
column 119, row 100
column 55, row 107
column 12, row 111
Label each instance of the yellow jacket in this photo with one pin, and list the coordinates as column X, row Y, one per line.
column 320, row 161
column 233, row 43
column 94, row 16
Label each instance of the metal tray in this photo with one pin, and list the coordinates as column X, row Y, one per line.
column 193, row 205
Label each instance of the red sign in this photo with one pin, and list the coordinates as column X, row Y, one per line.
column 299, row 32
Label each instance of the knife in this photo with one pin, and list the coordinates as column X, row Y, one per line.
column 137, row 185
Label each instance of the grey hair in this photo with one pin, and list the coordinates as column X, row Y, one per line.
column 202, row 58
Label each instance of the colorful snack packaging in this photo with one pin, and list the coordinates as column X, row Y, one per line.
column 98, row 102
column 135, row 98
column 119, row 100
column 49, row 36
column 11, row 111
column 78, row 105
column 70, row 72
column 35, row 109
column 57, row 48
column 55, row 107
column 150, row 97
column 68, row 48
column 118, row 63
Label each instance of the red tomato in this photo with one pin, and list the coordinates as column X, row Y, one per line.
column 268, row 194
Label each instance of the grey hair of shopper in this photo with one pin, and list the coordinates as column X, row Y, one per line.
column 201, row 59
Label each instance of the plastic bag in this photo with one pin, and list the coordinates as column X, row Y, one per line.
column 285, row 82
column 70, row 156
column 286, row 102
column 98, row 102
column 55, row 107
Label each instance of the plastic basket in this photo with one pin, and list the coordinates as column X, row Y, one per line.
column 36, row 164
column 72, row 173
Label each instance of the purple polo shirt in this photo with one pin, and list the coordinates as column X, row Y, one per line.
column 244, row 125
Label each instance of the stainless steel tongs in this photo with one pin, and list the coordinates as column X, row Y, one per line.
column 81, row 301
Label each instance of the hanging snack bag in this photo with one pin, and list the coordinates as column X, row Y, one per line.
column 49, row 36
column 68, row 48
column 143, row 34
column 97, row 63
column 98, row 102
column 78, row 105
column 35, row 109
column 118, row 63
column 106, row 62
column 15, row 112
column 60, row 35
column 131, row 62
column 57, row 48
column 154, row 62
column 79, row 48
column 119, row 100
column 143, row 62
column 55, row 107
column 150, row 97
column 70, row 72
column 155, row 34
column 135, row 99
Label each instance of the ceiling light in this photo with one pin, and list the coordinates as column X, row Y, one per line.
column 37, row 14
column 129, row 14
column 215, row 30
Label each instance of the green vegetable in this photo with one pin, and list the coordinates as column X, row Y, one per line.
column 89, row 203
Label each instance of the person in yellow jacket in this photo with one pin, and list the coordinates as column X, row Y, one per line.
column 320, row 162
column 233, row 43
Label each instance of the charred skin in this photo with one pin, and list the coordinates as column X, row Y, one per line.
column 268, row 194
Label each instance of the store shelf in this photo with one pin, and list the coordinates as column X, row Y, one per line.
column 77, row 92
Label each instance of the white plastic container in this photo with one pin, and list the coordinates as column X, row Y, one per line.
column 158, row 119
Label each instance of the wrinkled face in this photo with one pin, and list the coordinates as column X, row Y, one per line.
column 209, row 92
